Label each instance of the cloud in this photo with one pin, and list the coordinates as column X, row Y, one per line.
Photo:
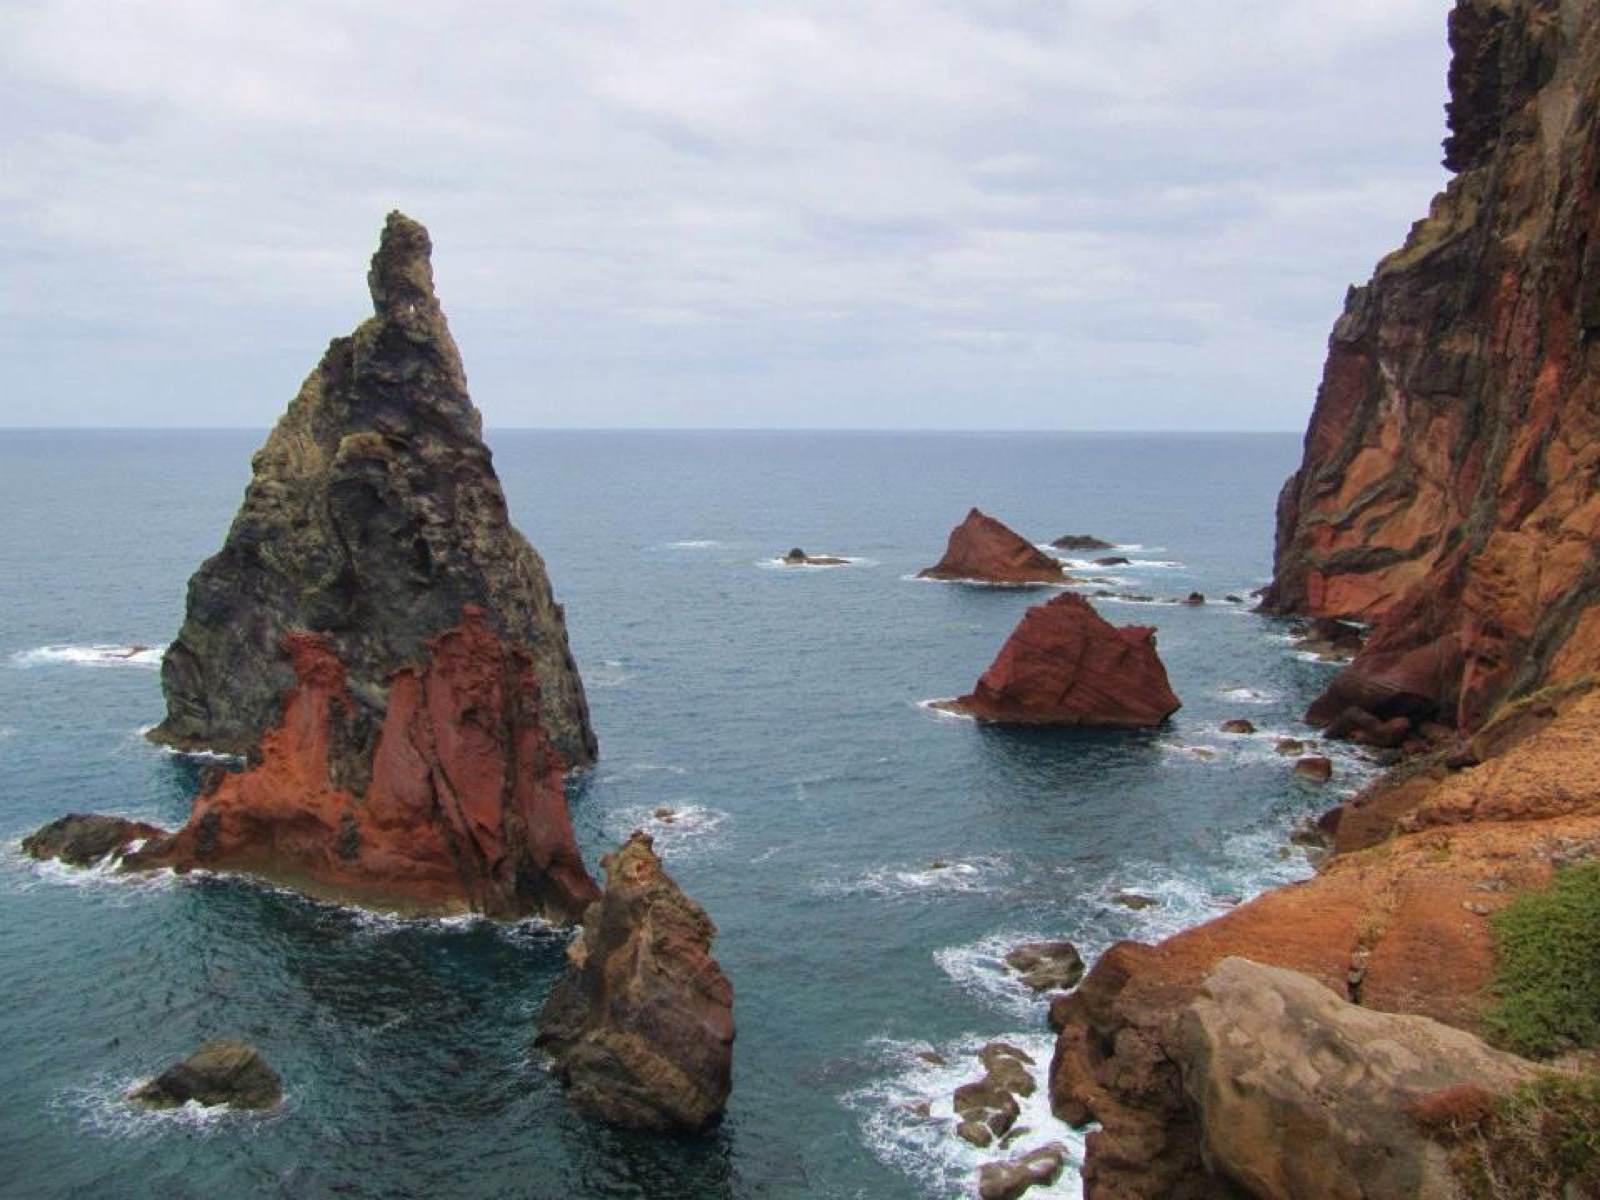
column 711, row 212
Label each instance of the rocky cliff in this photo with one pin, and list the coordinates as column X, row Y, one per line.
column 1065, row 664
column 373, row 515
column 1448, row 492
column 640, row 1030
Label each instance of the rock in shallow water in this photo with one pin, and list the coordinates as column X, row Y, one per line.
column 985, row 550
column 1046, row 966
column 1009, row 1180
column 219, row 1072
column 83, row 839
column 640, row 1029
column 1066, row 665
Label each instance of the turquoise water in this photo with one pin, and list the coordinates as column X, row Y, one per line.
column 776, row 709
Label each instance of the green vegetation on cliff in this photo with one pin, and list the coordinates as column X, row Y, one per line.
column 1547, row 977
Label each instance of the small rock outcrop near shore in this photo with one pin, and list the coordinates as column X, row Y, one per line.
column 987, row 1109
column 1265, row 1050
column 1082, row 541
column 1046, row 966
column 1066, row 665
column 1010, row 1179
column 219, row 1072
column 83, row 839
column 381, row 645
column 640, row 1029
column 982, row 550
column 799, row 558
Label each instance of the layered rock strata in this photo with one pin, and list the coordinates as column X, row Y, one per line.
column 373, row 515
column 1447, row 492
column 1064, row 664
column 640, row 1029
column 983, row 550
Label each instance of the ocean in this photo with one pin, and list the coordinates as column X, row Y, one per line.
column 867, row 860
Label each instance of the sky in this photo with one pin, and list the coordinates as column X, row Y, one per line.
column 886, row 214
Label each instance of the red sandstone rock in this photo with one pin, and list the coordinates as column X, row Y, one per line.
column 1064, row 664
column 463, row 810
column 1446, row 491
column 984, row 550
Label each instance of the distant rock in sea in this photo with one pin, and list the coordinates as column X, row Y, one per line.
column 983, row 550
column 1064, row 664
column 799, row 558
column 1081, row 541
column 640, row 1029
column 381, row 645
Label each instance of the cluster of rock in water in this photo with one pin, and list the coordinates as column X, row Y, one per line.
column 383, row 649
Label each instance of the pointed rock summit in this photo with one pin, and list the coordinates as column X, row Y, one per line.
column 381, row 645
column 983, row 550
column 372, row 515
column 1064, row 664
column 640, row 1030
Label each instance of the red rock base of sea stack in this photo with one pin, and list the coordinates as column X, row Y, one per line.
column 462, row 805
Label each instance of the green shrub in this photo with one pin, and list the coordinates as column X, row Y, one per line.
column 1547, row 966
column 1543, row 1140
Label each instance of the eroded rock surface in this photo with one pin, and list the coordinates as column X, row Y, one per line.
column 1447, row 488
column 462, row 805
column 1064, row 664
column 640, row 1029
column 1304, row 1096
column 219, row 1072
column 984, row 550
column 83, row 839
column 373, row 515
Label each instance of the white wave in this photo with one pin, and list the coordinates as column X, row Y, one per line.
column 97, row 655
column 921, row 1142
column 989, row 583
column 607, row 673
column 694, row 544
column 21, row 873
column 103, row 1109
column 979, row 968
column 677, row 829
column 931, row 707
column 1248, row 695
column 847, row 560
column 939, row 877
column 640, row 768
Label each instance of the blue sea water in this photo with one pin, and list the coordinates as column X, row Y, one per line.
column 867, row 860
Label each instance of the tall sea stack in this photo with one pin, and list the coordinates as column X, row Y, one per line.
column 381, row 645
column 1447, row 492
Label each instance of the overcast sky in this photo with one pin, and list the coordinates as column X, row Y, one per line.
column 995, row 214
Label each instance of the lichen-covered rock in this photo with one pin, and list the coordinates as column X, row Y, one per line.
column 83, row 839
column 1304, row 1096
column 1064, row 664
column 219, row 1072
column 1447, row 487
column 983, row 550
column 462, row 806
column 640, row 1029
column 373, row 515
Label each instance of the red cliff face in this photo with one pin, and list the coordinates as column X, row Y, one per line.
column 1064, row 664
column 463, row 805
column 983, row 550
column 1447, row 493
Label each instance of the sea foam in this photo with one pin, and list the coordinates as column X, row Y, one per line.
column 97, row 655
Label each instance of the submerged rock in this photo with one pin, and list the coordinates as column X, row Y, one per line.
column 382, row 645
column 640, row 1029
column 1266, row 1051
column 83, row 839
column 1238, row 725
column 1010, row 1179
column 799, row 558
column 1066, row 665
column 984, row 550
column 219, row 1072
column 1046, row 966
column 1081, row 541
